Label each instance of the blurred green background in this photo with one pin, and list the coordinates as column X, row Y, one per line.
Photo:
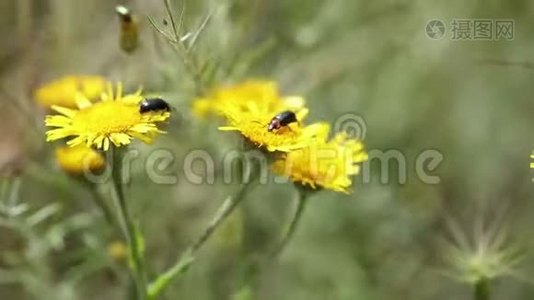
column 470, row 100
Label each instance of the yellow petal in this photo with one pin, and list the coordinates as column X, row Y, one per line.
column 301, row 114
column 98, row 141
column 65, row 111
column 57, row 121
column 119, row 91
column 106, row 144
column 76, row 141
column 81, row 101
column 293, row 102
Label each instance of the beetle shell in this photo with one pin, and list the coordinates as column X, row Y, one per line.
column 282, row 119
column 153, row 104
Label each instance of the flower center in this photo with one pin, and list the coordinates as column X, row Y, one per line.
column 108, row 117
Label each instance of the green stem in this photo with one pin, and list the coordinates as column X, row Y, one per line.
column 187, row 258
column 482, row 290
column 301, row 200
column 190, row 62
column 129, row 229
column 100, row 202
column 224, row 211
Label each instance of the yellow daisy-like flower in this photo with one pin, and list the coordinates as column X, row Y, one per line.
column 253, row 125
column 326, row 164
column 63, row 91
column 241, row 96
column 80, row 159
column 532, row 163
column 114, row 119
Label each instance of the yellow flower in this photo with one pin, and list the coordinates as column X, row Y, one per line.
column 253, row 126
column 114, row 119
column 242, row 96
column 325, row 164
column 532, row 163
column 63, row 91
column 77, row 160
column 118, row 251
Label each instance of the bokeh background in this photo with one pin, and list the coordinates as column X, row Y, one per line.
column 469, row 100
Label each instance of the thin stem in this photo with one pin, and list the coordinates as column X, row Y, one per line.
column 224, row 211
column 100, row 202
column 190, row 62
column 129, row 230
column 482, row 290
column 187, row 258
column 301, row 200
column 163, row 33
column 175, row 30
column 197, row 33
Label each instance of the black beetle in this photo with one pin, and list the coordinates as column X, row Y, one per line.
column 153, row 105
column 282, row 119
